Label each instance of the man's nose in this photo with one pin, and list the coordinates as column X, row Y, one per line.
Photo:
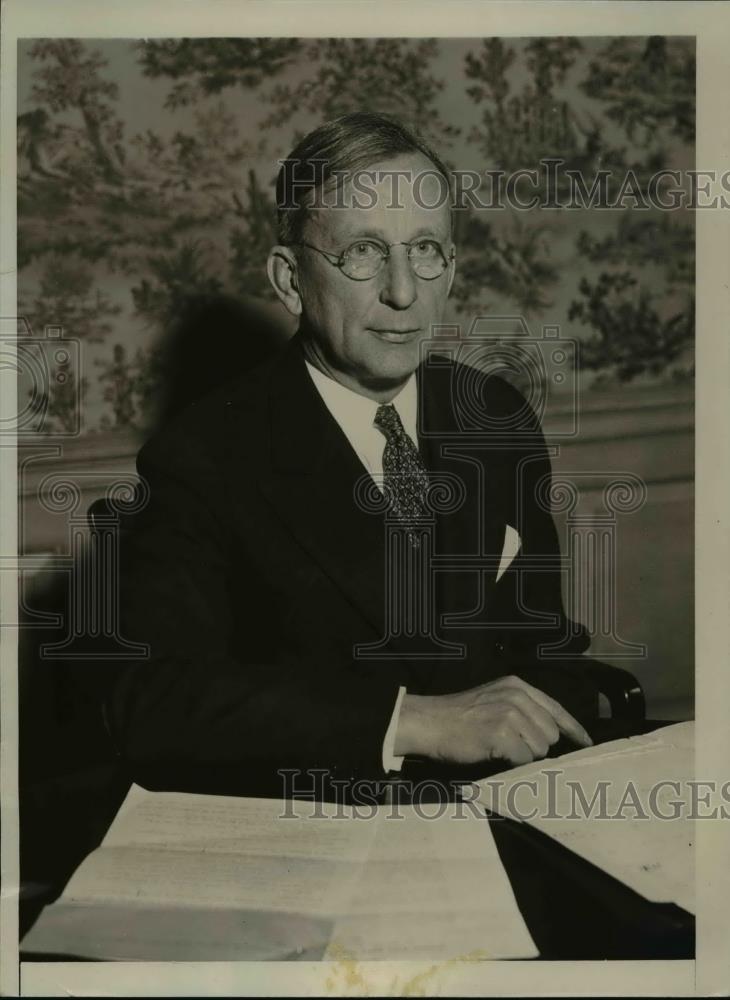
column 398, row 289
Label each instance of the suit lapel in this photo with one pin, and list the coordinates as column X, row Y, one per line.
column 310, row 473
column 312, row 479
column 472, row 533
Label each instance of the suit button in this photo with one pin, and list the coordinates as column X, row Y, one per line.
column 499, row 646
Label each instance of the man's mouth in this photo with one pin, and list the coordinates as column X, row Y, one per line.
column 395, row 336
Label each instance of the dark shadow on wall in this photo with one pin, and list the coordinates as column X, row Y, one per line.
column 211, row 339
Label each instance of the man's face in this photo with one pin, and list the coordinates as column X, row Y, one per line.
column 366, row 334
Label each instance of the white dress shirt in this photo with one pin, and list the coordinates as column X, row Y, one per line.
column 355, row 415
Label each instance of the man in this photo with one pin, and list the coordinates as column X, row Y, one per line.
column 258, row 575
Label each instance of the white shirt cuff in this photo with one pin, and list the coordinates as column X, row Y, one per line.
column 391, row 762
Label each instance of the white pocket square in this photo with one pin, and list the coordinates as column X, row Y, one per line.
column 512, row 542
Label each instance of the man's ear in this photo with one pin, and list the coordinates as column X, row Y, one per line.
column 281, row 268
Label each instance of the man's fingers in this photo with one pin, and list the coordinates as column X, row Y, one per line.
column 538, row 714
column 515, row 750
column 517, row 724
column 567, row 723
column 534, row 737
column 563, row 719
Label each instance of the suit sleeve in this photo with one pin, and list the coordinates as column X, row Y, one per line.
column 193, row 714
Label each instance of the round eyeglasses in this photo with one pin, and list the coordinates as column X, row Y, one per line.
column 362, row 260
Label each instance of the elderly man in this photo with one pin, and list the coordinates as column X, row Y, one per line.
column 264, row 575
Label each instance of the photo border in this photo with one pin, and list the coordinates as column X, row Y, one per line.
column 710, row 24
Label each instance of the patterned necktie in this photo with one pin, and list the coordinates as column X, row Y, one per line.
column 404, row 474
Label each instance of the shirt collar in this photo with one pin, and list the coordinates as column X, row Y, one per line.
column 354, row 412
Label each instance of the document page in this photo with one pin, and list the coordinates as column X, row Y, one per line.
column 181, row 876
column 433, row 888
column 266, row 879
column 625, row 806
column 223, row 823
column 208, row 850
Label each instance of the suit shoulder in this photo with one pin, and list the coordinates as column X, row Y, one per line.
column 489, row 389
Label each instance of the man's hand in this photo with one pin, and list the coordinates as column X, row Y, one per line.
column 507, row 719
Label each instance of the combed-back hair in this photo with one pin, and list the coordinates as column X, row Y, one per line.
column 344, row 145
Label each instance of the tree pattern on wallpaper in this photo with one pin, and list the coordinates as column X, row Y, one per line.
column 185, row 218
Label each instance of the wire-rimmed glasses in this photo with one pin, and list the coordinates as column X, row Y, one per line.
column 363, row 259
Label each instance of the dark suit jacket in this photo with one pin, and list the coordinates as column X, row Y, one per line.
column 252, row 573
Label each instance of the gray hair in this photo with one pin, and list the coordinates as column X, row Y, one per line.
column 351, row 142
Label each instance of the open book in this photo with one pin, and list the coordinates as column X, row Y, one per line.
column 202, row 877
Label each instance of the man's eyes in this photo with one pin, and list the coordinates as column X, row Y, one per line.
column 365, row 250
column 425, row 248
